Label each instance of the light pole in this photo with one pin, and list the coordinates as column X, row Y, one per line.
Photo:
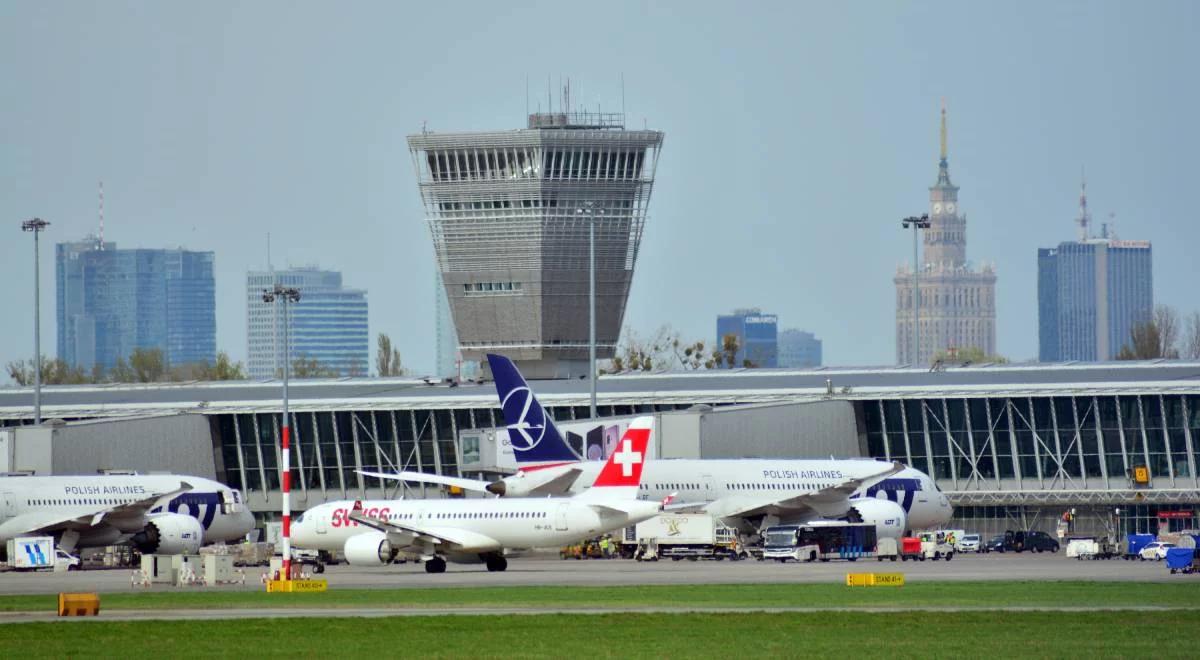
column 591, row 214
column 917, row 223
column 285, row 295
column 36, row 225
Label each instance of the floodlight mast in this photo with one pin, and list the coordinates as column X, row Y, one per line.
column 286, row 295
column 917, row 223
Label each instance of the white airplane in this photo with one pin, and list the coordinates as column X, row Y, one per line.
column 749, row 494
column 474, row 530
column 156, row 513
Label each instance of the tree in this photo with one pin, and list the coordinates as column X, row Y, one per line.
column 968, row 355
column 730, row 345
column 223, row 369
column 54, row 372
column 308, row 367
column 1154, row 339
column 147, row 364
column 121, row 372
column 1191, row 337
column 387, row 358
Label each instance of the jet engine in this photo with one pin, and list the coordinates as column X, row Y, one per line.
column 888, row 517
column 170, row 534
column 368, row 549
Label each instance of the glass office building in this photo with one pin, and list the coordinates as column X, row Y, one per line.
column 757, row 334
column 328, row 324
column 1090, row 296
column 112, row 301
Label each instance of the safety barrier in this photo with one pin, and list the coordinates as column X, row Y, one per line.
column 78, row 604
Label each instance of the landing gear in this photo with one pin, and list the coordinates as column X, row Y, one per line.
column 496, row 564
column 435, row 565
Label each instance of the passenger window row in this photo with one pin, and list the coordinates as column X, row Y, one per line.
column 85, row 501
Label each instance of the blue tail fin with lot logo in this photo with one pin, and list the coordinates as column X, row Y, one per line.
column 531, row 432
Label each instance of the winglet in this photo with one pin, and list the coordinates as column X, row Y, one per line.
column 666, row 502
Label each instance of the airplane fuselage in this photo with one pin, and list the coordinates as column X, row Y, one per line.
column 494, row 523
column 219, row 509
column 733, row 481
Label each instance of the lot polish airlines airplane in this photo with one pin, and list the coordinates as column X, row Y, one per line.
column 156, row 513
column 474, row 530
column 748, row 494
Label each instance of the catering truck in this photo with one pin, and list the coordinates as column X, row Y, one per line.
column 683, row 536
column 30, row 553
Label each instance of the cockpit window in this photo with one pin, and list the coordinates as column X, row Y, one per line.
column 299, row 519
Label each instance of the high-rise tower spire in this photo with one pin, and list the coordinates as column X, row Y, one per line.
column 943, row 165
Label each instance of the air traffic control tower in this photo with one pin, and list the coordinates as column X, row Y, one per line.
column 509, row 212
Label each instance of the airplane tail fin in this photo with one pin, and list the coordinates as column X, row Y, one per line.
column 531, row 432
column 621, row 476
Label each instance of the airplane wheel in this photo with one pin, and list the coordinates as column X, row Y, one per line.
column 435, row 565
column 496, row 564
column 319, row 569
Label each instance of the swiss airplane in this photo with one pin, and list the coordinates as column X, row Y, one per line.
column 749, row 494
column 474, row 530
column 156, row 513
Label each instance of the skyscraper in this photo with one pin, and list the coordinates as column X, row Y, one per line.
column 111, row 301
column 798, row 348
column 757, row 335
column 957, row 300
column 510, row 212
column 1091, row 293
column 328, row 325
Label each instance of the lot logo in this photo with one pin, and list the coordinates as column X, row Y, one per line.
column 530, row 426
column 201, row 506
column 900, row 491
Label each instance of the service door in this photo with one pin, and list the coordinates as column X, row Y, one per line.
column 322, row 528
column 560, row 517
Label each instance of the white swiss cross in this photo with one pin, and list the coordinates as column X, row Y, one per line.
column 627, row 458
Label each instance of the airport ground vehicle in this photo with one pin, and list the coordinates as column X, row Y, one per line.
column 936, row 545
column 823, row 540
column 1181, row 560
column 1156, row 551
column 31, row 553
column 910, row 548
column 887, row 548
column 1033, row 541
column 1091, row 548
column 685, row 535
column 1135, row 542
column 969, row 543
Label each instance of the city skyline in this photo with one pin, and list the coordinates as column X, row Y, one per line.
column 779, row 173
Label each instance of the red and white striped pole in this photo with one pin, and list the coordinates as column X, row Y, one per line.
column 289, row 296
column 286, row 477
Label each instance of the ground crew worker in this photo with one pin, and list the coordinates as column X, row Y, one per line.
column 604, row 547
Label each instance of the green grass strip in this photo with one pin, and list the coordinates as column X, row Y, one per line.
column 855, row 635
column 984, row 594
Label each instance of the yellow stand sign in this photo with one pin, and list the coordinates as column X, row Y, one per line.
column 296, row 586
column 875, row 579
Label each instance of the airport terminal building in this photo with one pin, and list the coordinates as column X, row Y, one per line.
column 1112, row 446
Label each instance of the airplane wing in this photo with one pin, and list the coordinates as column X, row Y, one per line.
column 423, row 477
column 403, row 535
column 816, row 501
column 36, row 522
column 554, row 481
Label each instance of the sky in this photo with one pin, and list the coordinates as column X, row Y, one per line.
column 797, row 134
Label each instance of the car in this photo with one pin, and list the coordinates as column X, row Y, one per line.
column 1035, row 541
column 1155, row 551
column 969, row 543
column 66, row 561
column 995, row 544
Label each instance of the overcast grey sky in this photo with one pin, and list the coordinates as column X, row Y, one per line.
column 797, row 134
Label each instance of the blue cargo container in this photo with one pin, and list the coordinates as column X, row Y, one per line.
column 1135, row 543
column 1181, row 560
